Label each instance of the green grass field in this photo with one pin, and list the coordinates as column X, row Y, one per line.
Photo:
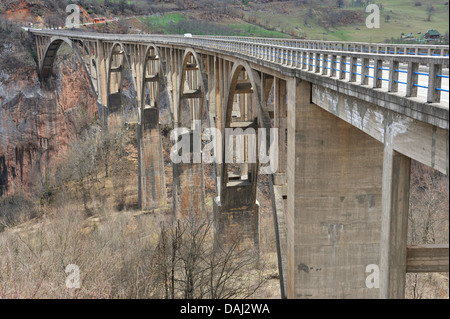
column 404, row 17
column 162, row 21
column 170, row 23
column 248, row 29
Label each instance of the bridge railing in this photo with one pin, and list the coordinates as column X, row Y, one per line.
column 363, row 47
column 423, row 74
column 427, row 75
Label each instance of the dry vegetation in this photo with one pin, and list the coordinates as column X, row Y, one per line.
column 123, row 256
column 84, row 218
column 428, row 223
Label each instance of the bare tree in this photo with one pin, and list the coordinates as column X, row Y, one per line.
column 100, row 154
column 428, row 222
column 189, row 266
column 54, row 21
column 429, row 202
column 430, row 12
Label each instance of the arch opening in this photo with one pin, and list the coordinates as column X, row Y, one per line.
column 121, row 88
column 243, row 118
column 154, row 85
column 49, row 56
column 51, row 53
column 192, row 116
column 192, row 91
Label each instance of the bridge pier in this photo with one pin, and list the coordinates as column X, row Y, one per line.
column 237, row 218
column 188, row 186
column 114, row 111
column 394, row 225
column 152, row 184
column 334, row 193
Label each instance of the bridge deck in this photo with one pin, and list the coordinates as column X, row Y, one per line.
column 403, row 72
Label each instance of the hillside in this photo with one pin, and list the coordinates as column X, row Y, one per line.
column 337, row 20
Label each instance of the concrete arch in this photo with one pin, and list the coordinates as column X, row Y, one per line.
column 203, row 84
column 251, row 87
column 161, row 76
column 126, row 62
column 50, row 52
column 118, row 111
column 255, row 81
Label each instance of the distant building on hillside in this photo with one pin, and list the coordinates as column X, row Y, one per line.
column 408, row 36
column 99, row 20
column 432, row 35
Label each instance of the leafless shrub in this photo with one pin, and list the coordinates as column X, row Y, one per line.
column 428, row 223
column 15, row 209
column 97, row 165
column 122, row 256
column 187, row 265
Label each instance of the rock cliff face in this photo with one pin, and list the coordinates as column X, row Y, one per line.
column 38, row 121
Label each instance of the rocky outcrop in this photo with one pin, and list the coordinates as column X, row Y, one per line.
column 38, row 121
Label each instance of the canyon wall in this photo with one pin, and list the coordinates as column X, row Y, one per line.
column 38, row 121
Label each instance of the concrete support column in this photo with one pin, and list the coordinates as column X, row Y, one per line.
column 237, row 216
column 138, row 71
column 394, row 223
column 188, row 187
column 152, row 184
column 333, row 220
column 114, row 110
column 211, row 94
column 175, row 78
column 102, row 74
column 280, row 123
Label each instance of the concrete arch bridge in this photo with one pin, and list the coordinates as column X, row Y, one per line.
column 349, row 116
